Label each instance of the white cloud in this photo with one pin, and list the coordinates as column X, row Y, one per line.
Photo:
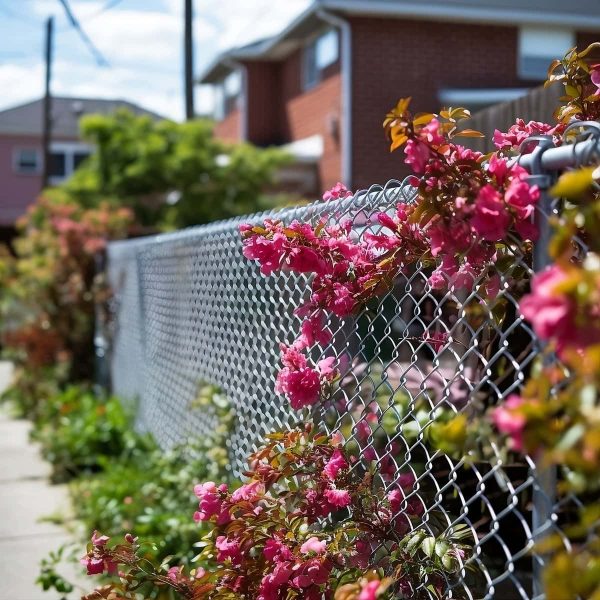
column 20, row 83
column 142, row 41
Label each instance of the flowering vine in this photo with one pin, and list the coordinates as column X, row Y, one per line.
column 303, row 525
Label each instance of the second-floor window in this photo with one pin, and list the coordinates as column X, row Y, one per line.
column 28, row 161
column 228, row 94
column 319, row 54
column 538, row 47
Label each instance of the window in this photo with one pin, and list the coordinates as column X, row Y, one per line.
column 57, row 166
column 28, row 161
column 227, row 94
column 538, row 47
column 65, row 157
column 319, row 54
column 78, row 158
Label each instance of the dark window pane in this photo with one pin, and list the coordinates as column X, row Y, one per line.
column 27, row 161
column 57, row 164
column 78, row 158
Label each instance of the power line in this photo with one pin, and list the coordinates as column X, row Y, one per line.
column 110, row 4
column 83, row 35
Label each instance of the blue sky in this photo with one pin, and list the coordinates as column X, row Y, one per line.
column 141, row 39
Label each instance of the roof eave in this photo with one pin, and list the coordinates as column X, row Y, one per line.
column 446, row 12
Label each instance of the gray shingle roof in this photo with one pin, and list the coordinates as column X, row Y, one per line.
column 26, row 119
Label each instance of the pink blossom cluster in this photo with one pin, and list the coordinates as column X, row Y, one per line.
column 303, row 565
column 301, row 383
column 100, row 559
column 337, row 192
column 556, row 315
column 520, row 131
column 510, row 421
column 465, row 232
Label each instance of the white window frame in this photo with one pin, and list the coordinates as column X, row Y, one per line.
column 69, row 149
column 38, row 160
column 541, row 45
column 310, row 53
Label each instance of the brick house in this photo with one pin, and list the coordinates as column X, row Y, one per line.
column 21, row 155
column 323, row 85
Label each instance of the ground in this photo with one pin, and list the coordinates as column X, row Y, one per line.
column 25, row 498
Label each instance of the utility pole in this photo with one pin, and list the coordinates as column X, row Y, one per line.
column 188, row 51
column 47, row 117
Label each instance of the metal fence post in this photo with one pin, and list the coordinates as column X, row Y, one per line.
column 544, row 490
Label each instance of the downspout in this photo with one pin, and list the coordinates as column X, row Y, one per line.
column 346, row 45
column 234, row 64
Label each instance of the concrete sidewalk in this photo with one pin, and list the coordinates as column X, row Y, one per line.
column 25, row 497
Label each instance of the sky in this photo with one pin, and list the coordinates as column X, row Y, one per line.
column 140, row 39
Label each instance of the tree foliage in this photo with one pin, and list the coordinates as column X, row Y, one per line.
column 171, row 174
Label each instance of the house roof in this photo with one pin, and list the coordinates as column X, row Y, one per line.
column 26, row 119
column 583, row 15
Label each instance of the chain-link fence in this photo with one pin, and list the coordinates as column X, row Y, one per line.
column 189, row 309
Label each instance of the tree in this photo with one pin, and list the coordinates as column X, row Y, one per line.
column 171, row 174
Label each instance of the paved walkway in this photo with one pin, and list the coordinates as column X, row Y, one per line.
column 25, row 497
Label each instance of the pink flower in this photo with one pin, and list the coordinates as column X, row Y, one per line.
column 369, row 590
column 550, row 313
column 509, row 422
column 418, row 155
column 305, row 260
column 268, row 253
column 302, row 387
column 211, row 502
column 343, row 302
column 335, row 464
column 93, row 565
column 339, row 498
column 395, row 498
column 313, row 572
column 520, row 131
column 595, row 77
column 314, row 331
column 98, row 539
column 228, row 549
column 491, row 219
column 276, row 551
column 522, row 197
column 431, row 133
column 313, row 544
column 249, row 492
column 436, row 280
column 498, row 167
column 338, row 191
column 406, row 480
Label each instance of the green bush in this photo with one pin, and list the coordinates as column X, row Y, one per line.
column 80, row 432
column 122, row 482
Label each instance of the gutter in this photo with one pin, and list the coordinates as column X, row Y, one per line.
column 346, row 44
column 464, row 14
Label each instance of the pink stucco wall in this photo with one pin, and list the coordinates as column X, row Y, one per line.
column 17, row 191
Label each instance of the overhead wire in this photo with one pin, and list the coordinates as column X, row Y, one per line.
column 83, row 35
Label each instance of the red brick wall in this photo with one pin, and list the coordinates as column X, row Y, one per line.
column 280, row 111
column 229, row 129
column 312, row 112
column 17, row 191
column 393, row 59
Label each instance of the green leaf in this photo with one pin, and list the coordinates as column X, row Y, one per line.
column 573, row 184
column 428, row 546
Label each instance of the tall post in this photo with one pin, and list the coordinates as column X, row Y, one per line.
column 188, row 50
column 544, row 488
column 47, row 116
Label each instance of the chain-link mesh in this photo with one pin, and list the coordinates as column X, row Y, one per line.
column 189, row 309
